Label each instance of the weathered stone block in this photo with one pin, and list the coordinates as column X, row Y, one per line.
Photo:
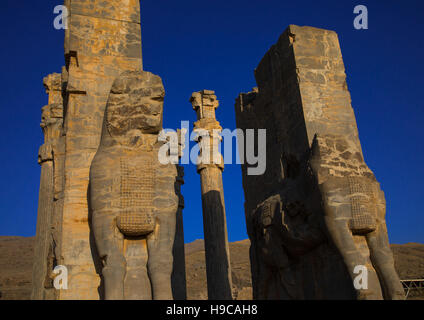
column 318, row 211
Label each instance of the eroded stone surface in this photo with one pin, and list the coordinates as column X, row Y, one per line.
column 318, row 211
column 50, row 157
column 132, row 196
column 98, row 48
column 103, row 41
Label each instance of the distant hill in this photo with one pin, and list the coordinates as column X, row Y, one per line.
column 16, row 254
column 409, row 260
column 196, row 270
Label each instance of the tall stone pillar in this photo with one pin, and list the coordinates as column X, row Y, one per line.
column 48, row 158
column 210, row 167
column 102, row 44
column 102, row 41
column 317, row 215
column 179, row 282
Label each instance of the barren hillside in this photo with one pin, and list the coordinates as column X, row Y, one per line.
column 16, row 255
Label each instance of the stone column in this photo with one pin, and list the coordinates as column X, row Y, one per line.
column 51, row 124
column 210, row 167
column 179, row 285
column 45, row 205
column 102, row 41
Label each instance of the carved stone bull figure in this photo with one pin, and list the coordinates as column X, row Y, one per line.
column 133, row 199
column 354, row 212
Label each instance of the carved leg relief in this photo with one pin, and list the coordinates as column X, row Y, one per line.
column 110, row 243
column 137, row 282
column 160, row 263
column 382, row 259
column 338, row 218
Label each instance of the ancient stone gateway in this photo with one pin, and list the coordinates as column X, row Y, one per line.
column 318, row 213
column 102, row 42
column 112, row 214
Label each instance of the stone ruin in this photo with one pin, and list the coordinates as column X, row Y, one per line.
column 319, row 211
column 50, row 157
column 132, row 196
column 112, row 214
column 210, row 168
column 103, row 48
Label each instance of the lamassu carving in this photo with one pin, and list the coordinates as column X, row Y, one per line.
column 133, row 198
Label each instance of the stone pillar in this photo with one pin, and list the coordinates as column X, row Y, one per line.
column 318, row 211
column 210, row 167
column 102, row 41
column 45, row 209
column 179, row 283
column 51, row 124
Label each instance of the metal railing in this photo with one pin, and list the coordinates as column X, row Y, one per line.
column 413, row 285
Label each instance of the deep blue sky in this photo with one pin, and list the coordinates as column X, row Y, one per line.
column 207, row 44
